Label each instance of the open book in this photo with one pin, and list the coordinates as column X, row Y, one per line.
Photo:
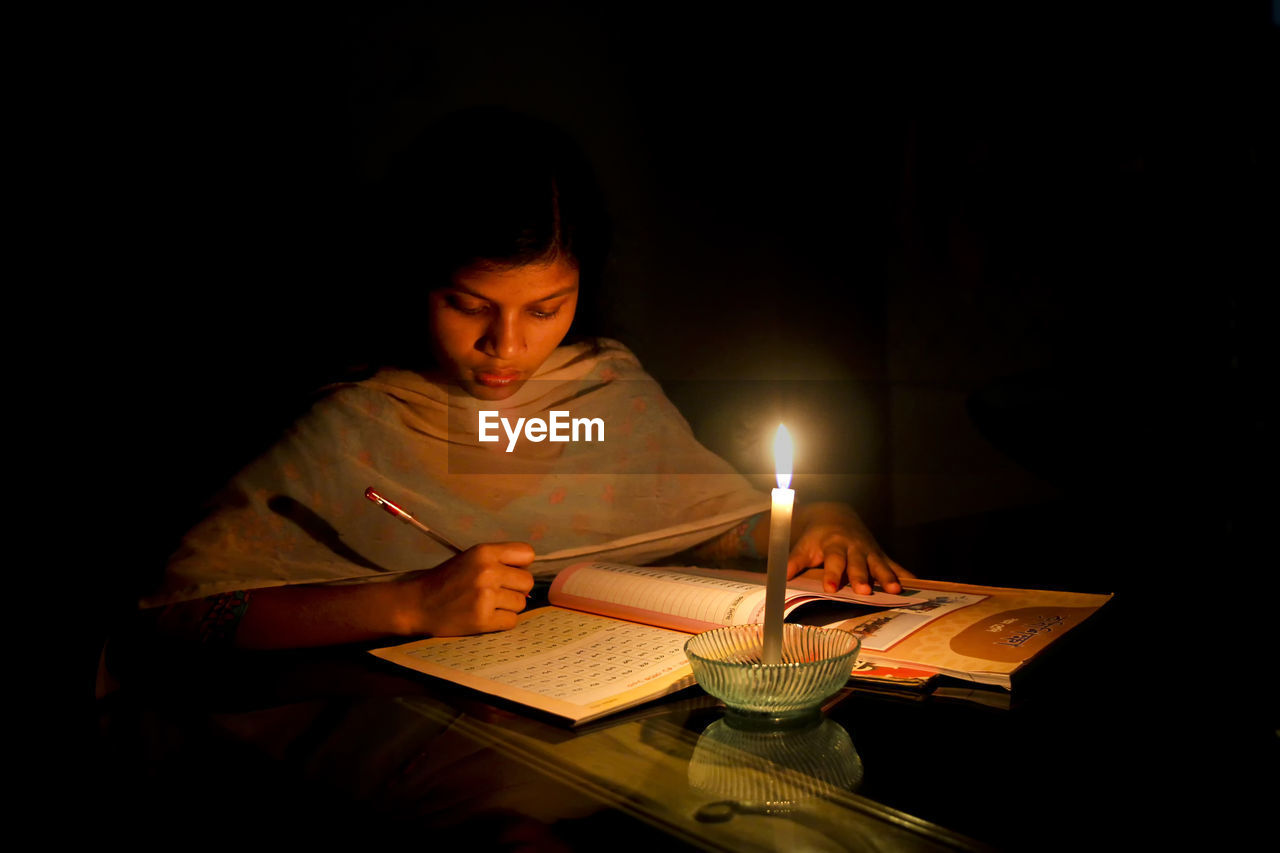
column 614, row 635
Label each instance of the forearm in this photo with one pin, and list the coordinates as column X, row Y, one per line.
column 294, row 616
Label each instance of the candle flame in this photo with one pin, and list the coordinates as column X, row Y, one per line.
column 783, row 456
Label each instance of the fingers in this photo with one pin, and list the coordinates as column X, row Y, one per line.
column 862, row 568
column 480, row 590
column 834, row 538
column 855, row 567
column 837, row 559
column 798, row 562
column 835, row 562
column 882, row 571
column 490, row 610
column 517, row 554
column 501, row 564
column 501, row 620
column 477, row 611
column 516, row 580
column 509, row 600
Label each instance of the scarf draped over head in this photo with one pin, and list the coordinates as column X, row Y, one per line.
column 642, row 490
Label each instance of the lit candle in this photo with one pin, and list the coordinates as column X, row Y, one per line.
column 784, row 499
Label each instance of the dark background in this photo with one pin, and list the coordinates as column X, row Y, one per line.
column 1028, row 248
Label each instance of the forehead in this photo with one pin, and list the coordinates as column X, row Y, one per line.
column 528, row 283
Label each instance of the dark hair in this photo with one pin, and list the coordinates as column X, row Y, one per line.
column 483, row 187
column 491, row 188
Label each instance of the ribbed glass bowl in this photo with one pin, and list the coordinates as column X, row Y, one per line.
column 816, row 662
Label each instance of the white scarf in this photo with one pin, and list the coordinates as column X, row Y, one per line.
column 298, row 513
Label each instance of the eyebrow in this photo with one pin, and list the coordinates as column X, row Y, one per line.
column 564, row 291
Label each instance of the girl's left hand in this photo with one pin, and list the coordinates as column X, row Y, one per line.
column 832, row 536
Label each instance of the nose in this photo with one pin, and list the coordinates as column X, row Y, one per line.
column 504, row 338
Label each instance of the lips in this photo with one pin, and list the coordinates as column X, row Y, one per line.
column 497, row 378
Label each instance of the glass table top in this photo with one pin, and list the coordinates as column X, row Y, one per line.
column 335, row 743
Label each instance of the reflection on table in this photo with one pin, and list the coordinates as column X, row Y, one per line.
column 339, row 747
column 333, row 745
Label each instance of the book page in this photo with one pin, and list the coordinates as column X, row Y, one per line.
column 576, row 665
column 810, row 581
column 883, row 629
column 803, row 588
column 671, row 599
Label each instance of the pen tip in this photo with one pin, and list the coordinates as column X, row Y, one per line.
column 371, row 494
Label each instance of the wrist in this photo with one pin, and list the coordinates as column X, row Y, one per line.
column 406, row 606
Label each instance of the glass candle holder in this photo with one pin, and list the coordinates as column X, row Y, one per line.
column 816, row 662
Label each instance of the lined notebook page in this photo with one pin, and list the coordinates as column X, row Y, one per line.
column 577, row 665
column 576, row 657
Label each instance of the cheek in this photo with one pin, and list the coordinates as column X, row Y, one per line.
column 551, row 334
column 564, row 320
column 450, row 338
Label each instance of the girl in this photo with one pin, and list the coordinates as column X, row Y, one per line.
column 486, row 236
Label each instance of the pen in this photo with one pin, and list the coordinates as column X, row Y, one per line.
column 407, row 518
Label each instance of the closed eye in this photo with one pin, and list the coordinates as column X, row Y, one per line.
column 465, row 306
column 547, row 309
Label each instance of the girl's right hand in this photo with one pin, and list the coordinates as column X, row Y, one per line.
column 480, row 590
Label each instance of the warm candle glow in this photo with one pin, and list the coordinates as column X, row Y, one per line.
column 783, row 456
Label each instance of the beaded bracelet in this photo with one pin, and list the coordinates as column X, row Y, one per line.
column 747, row 539
column 223, row 616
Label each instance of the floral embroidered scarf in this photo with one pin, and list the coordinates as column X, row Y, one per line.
column 642, row 490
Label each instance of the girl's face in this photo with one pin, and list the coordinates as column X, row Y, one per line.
column 492, row 329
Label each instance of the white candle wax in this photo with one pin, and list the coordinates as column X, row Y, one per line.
column 776, row 583
column 779, row 548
